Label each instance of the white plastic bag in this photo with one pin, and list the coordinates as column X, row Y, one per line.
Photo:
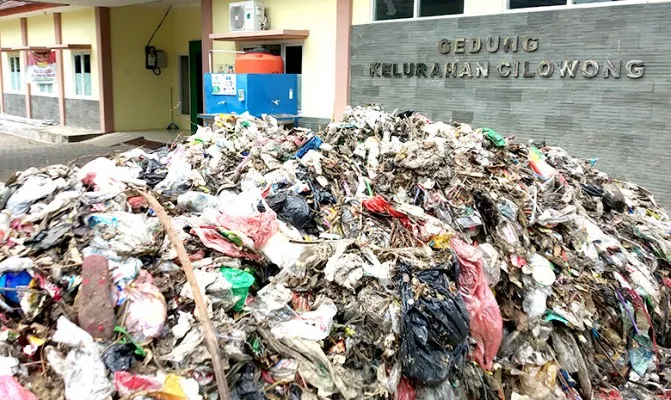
column 146, row 311
column 35, row 188
column 82, row 369
column 312, row 325
column 131, row 234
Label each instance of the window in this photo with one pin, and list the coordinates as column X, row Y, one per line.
column 45, row 87
column 397, row 9
column 515, row 4
column 15, row 73
column 82, row 67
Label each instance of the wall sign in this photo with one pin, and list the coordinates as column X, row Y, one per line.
column 632, row 69
column 41, row 67
column 223, row 84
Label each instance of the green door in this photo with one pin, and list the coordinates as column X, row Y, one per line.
column 196, row 81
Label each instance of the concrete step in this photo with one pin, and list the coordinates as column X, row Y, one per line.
column 46, row 134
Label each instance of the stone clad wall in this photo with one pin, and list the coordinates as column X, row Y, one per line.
column 621, row 120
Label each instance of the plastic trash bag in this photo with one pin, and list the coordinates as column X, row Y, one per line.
column 119, row 357
column 10, row 388
column 312, row 325
column 291, row 209
column 197, row 201
column 541, row 270
column 35, row 188
column 486, row 325
column 284, row 253
column 258, row 226
column 179, row 170
column 127, row 383
column 130, row 234
column 82, row 369
column 434, row 325
column 15, row 264
column 106, row 176
column 240, row 282
column 226, row 242
column 146, row 311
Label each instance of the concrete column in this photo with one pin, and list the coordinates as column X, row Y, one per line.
column 58, row 34
column 342, row 70
column 206, row 30
column 104, row 57
column 24, row 61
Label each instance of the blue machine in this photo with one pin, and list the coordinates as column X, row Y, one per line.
column 273, row 94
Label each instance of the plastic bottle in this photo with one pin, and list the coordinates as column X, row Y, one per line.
column 5, row 219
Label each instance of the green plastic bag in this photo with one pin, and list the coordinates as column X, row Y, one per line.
column 240, row 281
column 494, row 137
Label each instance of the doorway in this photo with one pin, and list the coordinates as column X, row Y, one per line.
column 195, row 82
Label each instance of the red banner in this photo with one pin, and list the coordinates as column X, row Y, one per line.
column 41, row 67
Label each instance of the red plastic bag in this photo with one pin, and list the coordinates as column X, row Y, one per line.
column 608, row 394
column 486, row 325
column 11, row 389
column 405, row 391
column 259, row 226
column 379, row 205
column 212, row 239
column 127, row 383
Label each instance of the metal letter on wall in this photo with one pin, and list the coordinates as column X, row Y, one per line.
column 466, row 70
column 375, row 69
column 590, row 68
column 504, row 69
column 545, row 69
column 421, row 70
column 435, row 71
column 510, row 44
column 409, row 69
column 570, row 69
column 476, row 45
column 443, row 46
column 482, row 70
column 459, row 46
column 530, row 44
column 635, row 69
column 610, row 69
column 450, row 69
column 492, row 44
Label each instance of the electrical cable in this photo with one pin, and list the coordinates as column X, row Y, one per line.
column 159, row 26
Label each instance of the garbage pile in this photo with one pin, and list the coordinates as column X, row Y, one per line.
column 388, row 256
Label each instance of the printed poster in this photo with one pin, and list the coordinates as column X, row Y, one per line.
column 41, row 67
column 223, row 84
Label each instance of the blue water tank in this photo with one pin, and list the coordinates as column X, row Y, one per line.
column 273, row 94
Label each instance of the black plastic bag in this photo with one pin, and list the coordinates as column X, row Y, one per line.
column 434, row 326
column 119, row 357
column 247, row 388
column 292, row 209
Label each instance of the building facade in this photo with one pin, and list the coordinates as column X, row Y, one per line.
column 590, row 76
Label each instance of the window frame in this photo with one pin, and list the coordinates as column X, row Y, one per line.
column 74, row 74
column 570, row 4
column 36, row 90
column 415, row 13
column 22, row 82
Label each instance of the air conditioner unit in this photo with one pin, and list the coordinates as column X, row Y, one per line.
column 246, row 16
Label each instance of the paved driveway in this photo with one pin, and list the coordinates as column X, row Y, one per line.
column 17, row 154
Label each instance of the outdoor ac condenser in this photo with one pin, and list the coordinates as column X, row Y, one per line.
column 246, row 16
